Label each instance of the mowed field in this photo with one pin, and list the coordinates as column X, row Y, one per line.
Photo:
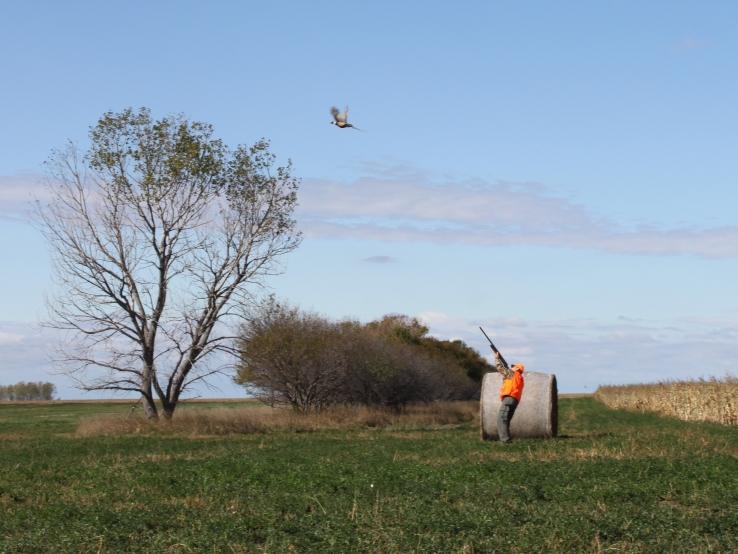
column 613, row 481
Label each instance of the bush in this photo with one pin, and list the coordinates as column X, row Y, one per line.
column 292, row 357
column 411, row 331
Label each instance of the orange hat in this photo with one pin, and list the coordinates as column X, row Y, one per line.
column 518, row 367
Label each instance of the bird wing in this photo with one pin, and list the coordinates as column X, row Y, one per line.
column 339, row 117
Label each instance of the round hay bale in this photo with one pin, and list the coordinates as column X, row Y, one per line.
column 537, row 414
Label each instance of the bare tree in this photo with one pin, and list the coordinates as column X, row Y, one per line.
column 160, row 236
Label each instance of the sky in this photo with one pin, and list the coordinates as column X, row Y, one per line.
column 562, row 174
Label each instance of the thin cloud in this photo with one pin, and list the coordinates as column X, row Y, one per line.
column 24, row 352
column 380, row 260
column 17, row 195
column 10, row 338
column 691, row 43
column 488, row 214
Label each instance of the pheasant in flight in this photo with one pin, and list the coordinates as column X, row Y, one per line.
column 340, row 120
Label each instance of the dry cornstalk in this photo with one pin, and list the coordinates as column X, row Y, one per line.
column 712, row 399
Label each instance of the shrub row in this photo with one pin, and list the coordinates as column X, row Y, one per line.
column 304, row 360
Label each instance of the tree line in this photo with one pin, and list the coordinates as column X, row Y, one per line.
column 28, row 391
column 301, row 359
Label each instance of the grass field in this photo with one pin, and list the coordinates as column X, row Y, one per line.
column 613, row 482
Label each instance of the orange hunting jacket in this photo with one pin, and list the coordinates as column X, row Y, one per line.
column 512, row 382
column 513, row 386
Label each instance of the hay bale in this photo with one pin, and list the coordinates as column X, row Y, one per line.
column 537, row 413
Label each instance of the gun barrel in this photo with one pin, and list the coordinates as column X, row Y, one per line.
column 488, row 339
column 494, row 348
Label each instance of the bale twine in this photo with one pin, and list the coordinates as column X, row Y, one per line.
column 537, row 414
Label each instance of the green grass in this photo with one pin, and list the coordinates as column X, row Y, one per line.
column 614, row 482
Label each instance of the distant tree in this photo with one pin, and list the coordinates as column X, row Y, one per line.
column 28, row 391
column 159, row 235
column 46, row 391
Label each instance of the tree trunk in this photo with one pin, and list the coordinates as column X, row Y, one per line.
column 149, row 407
column 167, row 409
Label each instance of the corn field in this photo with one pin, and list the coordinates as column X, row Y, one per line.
column 704, row 400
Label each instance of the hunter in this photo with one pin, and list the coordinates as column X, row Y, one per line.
column 510, row 394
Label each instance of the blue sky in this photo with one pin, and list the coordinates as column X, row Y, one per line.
column 563, row 174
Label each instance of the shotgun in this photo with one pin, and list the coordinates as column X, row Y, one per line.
column 494, row 348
